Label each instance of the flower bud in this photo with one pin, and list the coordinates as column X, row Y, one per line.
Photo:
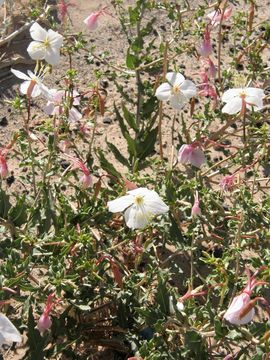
column 3, row 167
column 44, row 323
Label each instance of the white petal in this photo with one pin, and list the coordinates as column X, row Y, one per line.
column 52, row 56
column 25, row 86
column 120, row 204
column 55, row 39
column 254, row 102
column 233, row 106
column 255, row 92
column 19, row 74
column 37, row 32
column 188, row 88
column 48, row 108
column 230, row 94
column 36, row 50
column 74, row 114
column 175, row 78
column 8, row 331
column 178, row 101
column 140, row 191
column 154, row 204
column 197, row 158
column 163, row 92
column 136, row 218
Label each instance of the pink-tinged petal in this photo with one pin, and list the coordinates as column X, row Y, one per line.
column 238, row 304
column 74, row 115
column 189, row 89
column 86, row 181
column 55, row 39
column 184, row 153
column 178, row 101
column 175, row 78
column 120, row 204
column 230, row 94
column 163, row 92
column 36, row 50
column 76, row 98
column 92, row 21
column 19, row 74
column 49, row 108
column 234, row 106
column 37, row 32
column 197, row 158
column 136, row 218
column 52, row 56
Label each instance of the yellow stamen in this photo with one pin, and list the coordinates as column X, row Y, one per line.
column 138, row 200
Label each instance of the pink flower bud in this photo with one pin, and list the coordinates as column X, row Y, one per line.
column 86, row 181
column 44, row 323
column 212, row 70
column 206, row 49
column 191, row 154
column 3, row 167
column 92, row 21
column 196, row 210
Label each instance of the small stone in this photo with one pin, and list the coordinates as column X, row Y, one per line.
column 104, row 83
column 3, row 121
column 107, row 120
column 10, row 180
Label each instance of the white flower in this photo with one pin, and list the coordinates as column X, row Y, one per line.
column 235, row 99
column 139, row 206
column 240, row 304
column 8, row 332
column 177, row 90
column 46, row 44
column 32, row 86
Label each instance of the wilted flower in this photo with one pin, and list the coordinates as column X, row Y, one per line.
column 239, row 99
column 191, row 154
column 32, row 86
column 216, row 16
column 63, row 9
column 46, row 45
column 3, row 167
column 206, row 49
column 8, row 332
column 86, row 179
column 196, row 210
column 177, row 90
column 139, row 206
column 227, row 182
column 55, row 104
column 45, row 322
column 241, row 311
column 92, row 20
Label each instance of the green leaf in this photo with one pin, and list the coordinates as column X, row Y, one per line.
column 163, row 297
column 117, row 154
column 18, row 213
column 131, row 60
column 107, row 166
column 35, row 341
column 130, row 118
column 148, row 145
column 5, row 204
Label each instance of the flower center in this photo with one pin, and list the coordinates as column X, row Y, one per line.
column 242, row 94
column 138, row 200
column 176, row 89
column 47, row 43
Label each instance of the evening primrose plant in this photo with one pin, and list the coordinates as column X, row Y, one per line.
column 157, row 246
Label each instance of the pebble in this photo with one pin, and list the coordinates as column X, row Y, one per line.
column 4, row 121
column 107, row 120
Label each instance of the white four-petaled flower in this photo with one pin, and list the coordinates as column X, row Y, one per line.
column 139, row 206
column 237, row 99
column 46, row 45
column 177, row 90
